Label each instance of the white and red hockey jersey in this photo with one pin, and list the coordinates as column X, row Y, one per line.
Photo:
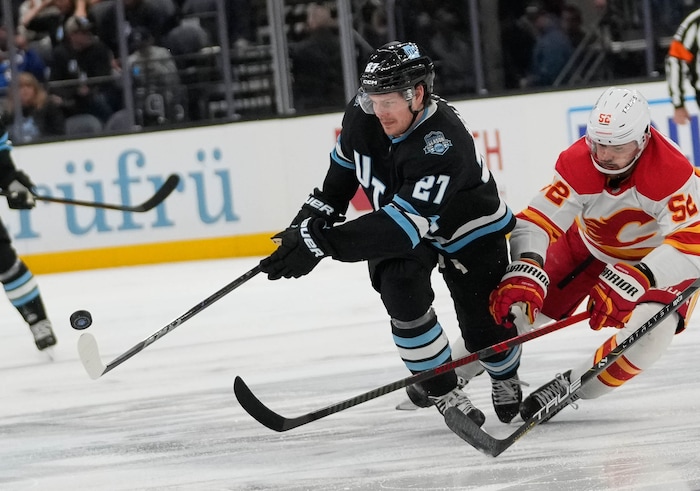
column 653, row 215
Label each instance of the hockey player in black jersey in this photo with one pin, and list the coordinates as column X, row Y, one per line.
column 18, row 281
column 435, row 203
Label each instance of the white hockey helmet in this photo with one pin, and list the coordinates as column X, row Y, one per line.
column 619, row 116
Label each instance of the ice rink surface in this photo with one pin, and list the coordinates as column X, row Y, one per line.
column 167, row 419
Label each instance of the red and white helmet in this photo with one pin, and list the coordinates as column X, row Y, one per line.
column 619, row 116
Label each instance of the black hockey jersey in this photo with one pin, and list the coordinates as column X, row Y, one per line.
column 429, row 184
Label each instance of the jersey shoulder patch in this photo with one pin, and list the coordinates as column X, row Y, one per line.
column 436, row 143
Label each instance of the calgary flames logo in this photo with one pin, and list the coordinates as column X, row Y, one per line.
column 620, row 230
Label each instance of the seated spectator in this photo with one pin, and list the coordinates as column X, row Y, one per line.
column 153, row 65
column 82, row 57
column 27, row 60
column 156, row 83
column 316, row 65
column 41, row 115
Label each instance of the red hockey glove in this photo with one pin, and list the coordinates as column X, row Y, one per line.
column 299, row 250
column 525, row 282
column 616, row 294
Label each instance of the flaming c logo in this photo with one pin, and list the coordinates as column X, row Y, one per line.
column 609, row 230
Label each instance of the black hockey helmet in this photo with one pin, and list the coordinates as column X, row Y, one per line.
column 396, row 67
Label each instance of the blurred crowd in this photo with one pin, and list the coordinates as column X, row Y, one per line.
column 71, row 55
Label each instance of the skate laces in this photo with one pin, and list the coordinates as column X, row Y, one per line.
column 454, row 398
column 554, row 389
column 507, row 391
column 41, row 329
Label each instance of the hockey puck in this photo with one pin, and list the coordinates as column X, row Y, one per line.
column 80, row 319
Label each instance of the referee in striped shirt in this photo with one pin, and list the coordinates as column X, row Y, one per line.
column 682, row 62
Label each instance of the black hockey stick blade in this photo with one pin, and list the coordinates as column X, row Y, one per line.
column 90, row 353
column 275, row 421
column 470, row 432
column 481, row 440
column 163, row 192
column 265, row 415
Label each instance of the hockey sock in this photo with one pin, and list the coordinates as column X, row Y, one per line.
column 423, row 345
column 22, row 290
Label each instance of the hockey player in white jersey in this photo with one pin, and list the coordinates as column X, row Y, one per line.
column 618, row 224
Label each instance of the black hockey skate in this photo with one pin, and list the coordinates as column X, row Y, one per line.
column 43, row 334
column 506, row 396
column 539, row 399
column 418, row 398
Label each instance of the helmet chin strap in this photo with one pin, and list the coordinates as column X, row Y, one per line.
column 415, row 113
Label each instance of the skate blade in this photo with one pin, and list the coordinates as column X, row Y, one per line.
column 48, row 353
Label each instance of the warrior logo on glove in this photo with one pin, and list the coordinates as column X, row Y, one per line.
column 526, row 283
column 617, row 292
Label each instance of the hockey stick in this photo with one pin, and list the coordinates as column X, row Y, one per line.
column 90, row 354
column 277, row 422
column 466, row 429
column 163, row 192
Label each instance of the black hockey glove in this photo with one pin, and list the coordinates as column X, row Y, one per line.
column 20, row 196
column 318, row 207
column 300, row 249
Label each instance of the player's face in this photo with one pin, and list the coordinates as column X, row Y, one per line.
column 614, row 157
column 393, row 112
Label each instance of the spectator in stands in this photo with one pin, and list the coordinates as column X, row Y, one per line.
column 316, row 65
column 156, row 82
column 27, row 59
column 551, row 52
column 40, row 41
column 83, row 57
column 154, row 64
column 48, row 17
column 156, row 16
column 41, row 114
